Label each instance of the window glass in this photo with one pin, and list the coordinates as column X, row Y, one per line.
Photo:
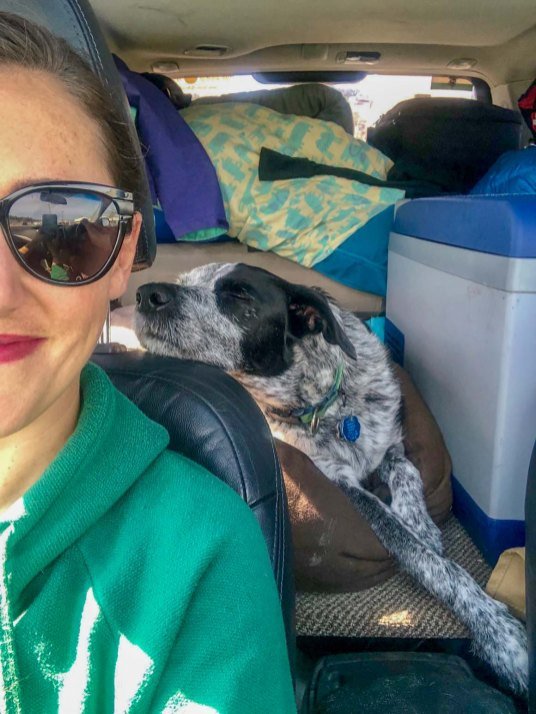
column 369, row 98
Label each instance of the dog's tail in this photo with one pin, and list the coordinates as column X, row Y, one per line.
column 498, row 638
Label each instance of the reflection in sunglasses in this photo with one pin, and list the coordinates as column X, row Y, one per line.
column 69, row 253
column 65, row 232
column 65, row 246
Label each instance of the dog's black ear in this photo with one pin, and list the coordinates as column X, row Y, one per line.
column 310, row 314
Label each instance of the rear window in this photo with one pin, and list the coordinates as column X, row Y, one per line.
column 369, row 99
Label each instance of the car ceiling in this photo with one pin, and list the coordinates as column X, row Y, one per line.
column 412, row 35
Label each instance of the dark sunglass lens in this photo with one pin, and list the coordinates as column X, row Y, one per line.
column 64, row 235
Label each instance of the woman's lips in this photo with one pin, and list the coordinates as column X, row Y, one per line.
column 15, row 347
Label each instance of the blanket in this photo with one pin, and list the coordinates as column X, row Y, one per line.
column 304, row 220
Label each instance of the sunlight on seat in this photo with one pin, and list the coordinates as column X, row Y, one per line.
column 402, row 618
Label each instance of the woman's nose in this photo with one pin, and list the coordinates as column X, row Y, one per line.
column 11, row 279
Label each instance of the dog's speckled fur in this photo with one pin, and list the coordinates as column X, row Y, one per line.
column 284, row 343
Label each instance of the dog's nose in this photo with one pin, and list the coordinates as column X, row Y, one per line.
column 154, row 296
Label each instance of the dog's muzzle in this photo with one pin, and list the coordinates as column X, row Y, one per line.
column 153, row 297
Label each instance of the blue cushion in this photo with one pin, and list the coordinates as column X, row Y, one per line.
column 513, row 172
column 497, row 224
column 360, row 262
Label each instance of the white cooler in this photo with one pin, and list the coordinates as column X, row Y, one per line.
column 461, row 317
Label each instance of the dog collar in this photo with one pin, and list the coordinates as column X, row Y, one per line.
column 348, row 428
column 313, row 413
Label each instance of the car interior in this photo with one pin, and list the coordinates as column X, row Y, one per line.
column 367, row 638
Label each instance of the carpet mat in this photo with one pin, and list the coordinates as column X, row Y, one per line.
column 396, row 608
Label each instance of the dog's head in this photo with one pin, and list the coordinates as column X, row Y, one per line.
column 235, row 316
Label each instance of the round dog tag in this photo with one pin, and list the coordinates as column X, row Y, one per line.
column 349, row 428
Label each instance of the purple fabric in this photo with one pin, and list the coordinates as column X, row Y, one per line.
column 181, row 175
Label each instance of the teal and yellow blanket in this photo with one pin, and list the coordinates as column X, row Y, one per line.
column 304, row 220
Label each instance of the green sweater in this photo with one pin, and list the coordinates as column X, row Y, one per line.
column 134, row 581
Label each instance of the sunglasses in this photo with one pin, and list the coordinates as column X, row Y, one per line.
column 66, row 233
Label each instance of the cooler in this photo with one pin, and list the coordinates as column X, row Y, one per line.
column 461, row 317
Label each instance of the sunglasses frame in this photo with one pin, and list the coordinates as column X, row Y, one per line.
column 122, row 200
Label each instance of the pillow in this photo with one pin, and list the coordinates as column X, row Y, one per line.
column 335, row 549
column 513, row 172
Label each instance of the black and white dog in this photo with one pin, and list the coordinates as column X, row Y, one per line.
column 326, row 386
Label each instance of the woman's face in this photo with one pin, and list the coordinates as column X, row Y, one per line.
column 45, row 135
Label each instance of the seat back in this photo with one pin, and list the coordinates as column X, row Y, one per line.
column 75, row 21
column 212, row 420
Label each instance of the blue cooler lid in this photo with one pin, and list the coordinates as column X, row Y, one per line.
column 498, row 224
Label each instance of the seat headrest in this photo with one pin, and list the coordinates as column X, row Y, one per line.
column 75, row 21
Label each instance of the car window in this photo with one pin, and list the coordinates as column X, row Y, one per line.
column 369, row 99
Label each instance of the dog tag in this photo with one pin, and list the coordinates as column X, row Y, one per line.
column 349, row 428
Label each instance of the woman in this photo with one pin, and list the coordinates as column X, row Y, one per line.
column 130, row 579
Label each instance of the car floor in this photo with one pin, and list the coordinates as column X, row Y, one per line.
column 397, row 615
column 397, row 608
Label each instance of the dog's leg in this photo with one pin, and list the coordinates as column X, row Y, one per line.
column 498, row 638
column 407, row 496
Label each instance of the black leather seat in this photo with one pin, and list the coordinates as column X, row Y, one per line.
column 210, row 417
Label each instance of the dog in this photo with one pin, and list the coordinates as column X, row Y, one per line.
column 326, row 386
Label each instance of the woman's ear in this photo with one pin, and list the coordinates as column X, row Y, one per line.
column 122, row 267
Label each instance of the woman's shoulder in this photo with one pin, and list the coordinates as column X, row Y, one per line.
column 175, row 512
column 178, row 540
column 190, row 486
column 177, row 500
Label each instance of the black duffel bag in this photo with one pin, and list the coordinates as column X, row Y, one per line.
column 449, row 142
